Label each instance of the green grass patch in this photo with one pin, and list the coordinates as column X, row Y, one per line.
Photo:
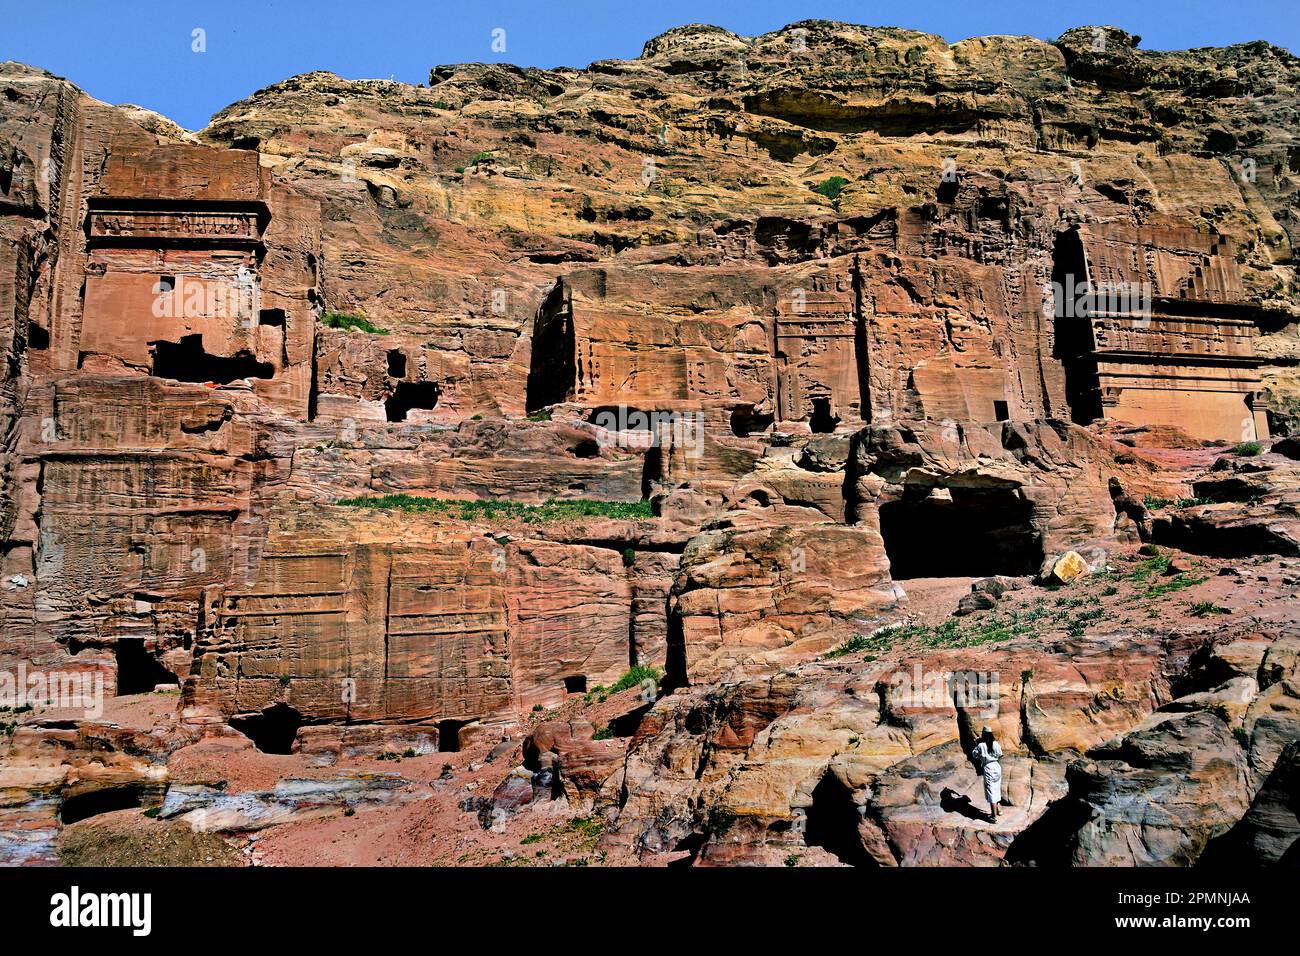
column 876, row 644
column 634, row 677
column 589, row 828
column 552, row 510
column 1247, row 449
column 1178, row 582
column 344, row 320
column 831, row 188
column 1151, row 567
column 1207, row 609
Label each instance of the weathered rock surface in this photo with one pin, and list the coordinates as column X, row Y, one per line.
column 791, row 324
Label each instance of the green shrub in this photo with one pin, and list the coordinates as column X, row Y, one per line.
column 1152, row 503
column 876, row 643
column 541, row 415
column 635, row 676
column 831, row 188
column 1207, row 609
column 629, row 557
column 602, row 733
column 343, row 320
column 1246, row 449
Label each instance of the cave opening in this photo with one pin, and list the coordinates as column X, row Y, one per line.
column 138, row 671
column 38, row 337
column 94, row 802
column 552, row 370
column 449, row 735
column 832, row 823
column 396, row 363
column 409, row 395
column 822, row 420
column 273, row 731
column 186, row 361
column 575, row 684
column 1073, row 336
column 746, row 421
column 949, row 186
column 960, row 532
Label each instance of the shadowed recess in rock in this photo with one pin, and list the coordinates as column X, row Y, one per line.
column 188, row 362
column 273, row 731
column 960, row 532
column 833, row 823
column 138, row 671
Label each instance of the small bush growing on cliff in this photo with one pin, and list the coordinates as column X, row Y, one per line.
column 634, row 677
column 1246, row 449
column 344, row 320
column 831, row 188
column 541, row 415
column 1207, row 609
column 474, row 160
column 1152, row 503
column 876, row 643
column 602, row 733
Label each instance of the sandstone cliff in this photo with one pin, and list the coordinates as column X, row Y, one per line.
column 381, row 419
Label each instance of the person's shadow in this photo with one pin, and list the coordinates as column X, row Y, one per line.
column 950, row 801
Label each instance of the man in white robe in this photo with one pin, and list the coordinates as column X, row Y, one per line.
column 987, row 756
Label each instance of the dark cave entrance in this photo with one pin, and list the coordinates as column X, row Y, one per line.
column 746, row 421
column 553, row 370
column 822, row 420
column 409, row 395
column 273, row 731
column 396, row 363
column 1073, row 328
column 576, row 684
column 975, row 533
column 188, row 362
column 138, row 671
column 832, row 823
column 105, row 800
column 38, row 337
column 449, row 735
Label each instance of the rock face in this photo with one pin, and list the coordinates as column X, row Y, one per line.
column 375, row 416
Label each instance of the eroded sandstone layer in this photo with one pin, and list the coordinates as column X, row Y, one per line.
column 377, row 420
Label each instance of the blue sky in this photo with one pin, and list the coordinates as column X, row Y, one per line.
column 140, row 52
